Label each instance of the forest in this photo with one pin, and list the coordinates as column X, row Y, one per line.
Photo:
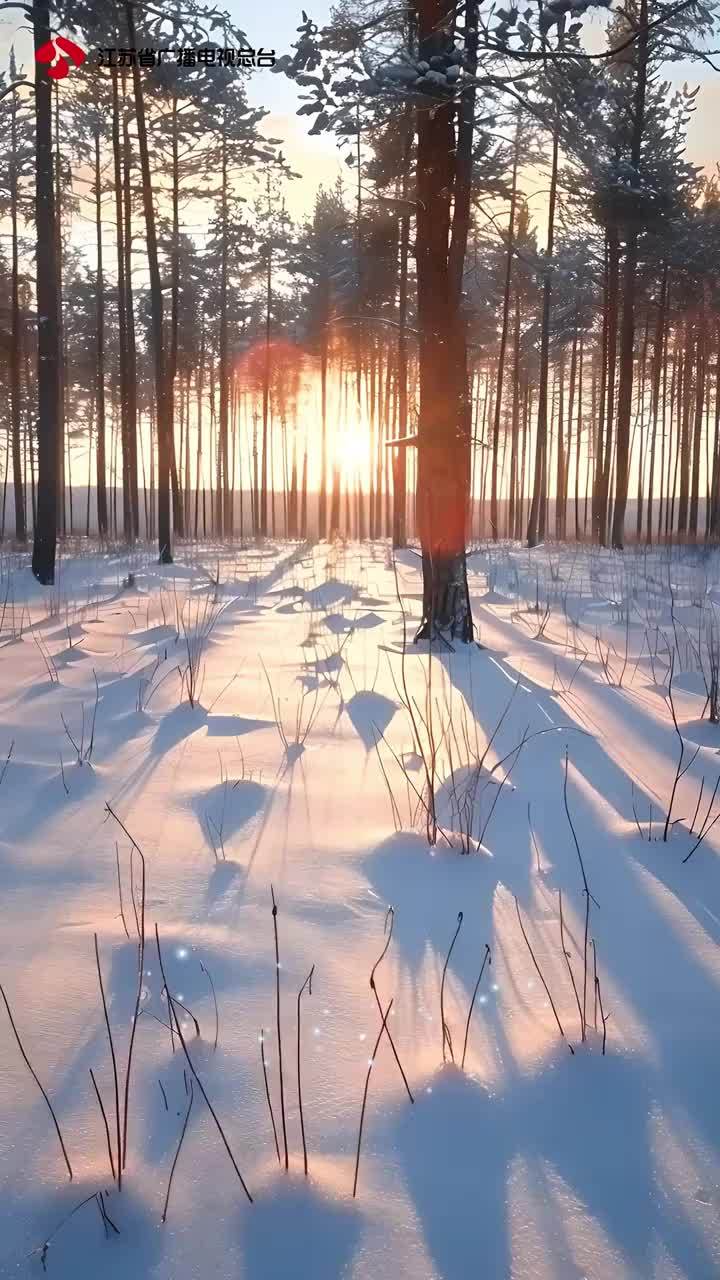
column 359, row 640
column 182, row 359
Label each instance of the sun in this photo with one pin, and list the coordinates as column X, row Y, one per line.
column 352, row 448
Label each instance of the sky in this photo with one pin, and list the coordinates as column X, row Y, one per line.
column 318, row 159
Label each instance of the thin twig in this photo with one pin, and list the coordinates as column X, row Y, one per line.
column 365, row 1095
column 487, row 959
column 105, row 1122
column 189, row 1013
column 586, row 890
column 389, row 925
column 119, row 880
column 279, row 1029
column 177, row 1154
column 540, row 975
column 307, row 983
column 30, row 1068
column 107, row 1220
column 445, row 1031
column 214, row 996
column 534, row 841
column 7, row 762
column 114, row 1066
column 566, row 954
column 602, row 1011
column 134, row 847
column 195, row 1075
column 43, row 1248
column 267, row 1093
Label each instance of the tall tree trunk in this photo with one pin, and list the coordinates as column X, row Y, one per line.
column 443, row 470
column 16, row 332
column 62, row 352
column 684, row 402
column 222, row 497
column 122, row 260
column 627, row 330
column 324, row 343
column 714, row 523
column 509, row 251
column 578, row 437
column 45, row 539
column 399, row 456
column 164, row 409
column 199, row 385
column 538, row 506
column 641, row 412
column 560, row 469
column 698, row 416
column 131, row 419
column 266, row 385
column 100, row 459
column 658, row 349
column 514, row 500
column 177, row 499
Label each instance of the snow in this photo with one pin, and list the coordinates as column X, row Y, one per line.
column 532, row 1162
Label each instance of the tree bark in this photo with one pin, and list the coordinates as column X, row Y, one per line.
column 100, row 460
column 538, row 507
column 15, row 335
column 443, row 429
column 627, row 331
column 45, row 539
column 494, row 523
column 163, row 401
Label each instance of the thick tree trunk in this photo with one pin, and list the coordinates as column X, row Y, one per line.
column 443, row 428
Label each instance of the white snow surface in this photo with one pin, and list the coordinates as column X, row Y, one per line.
column 532, row 1162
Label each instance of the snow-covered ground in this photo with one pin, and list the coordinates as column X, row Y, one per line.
column 533, row 1161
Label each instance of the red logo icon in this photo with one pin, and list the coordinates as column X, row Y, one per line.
column 56, row 53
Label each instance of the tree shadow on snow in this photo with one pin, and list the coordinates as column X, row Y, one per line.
column 294, row 1228
column 584, row 1120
